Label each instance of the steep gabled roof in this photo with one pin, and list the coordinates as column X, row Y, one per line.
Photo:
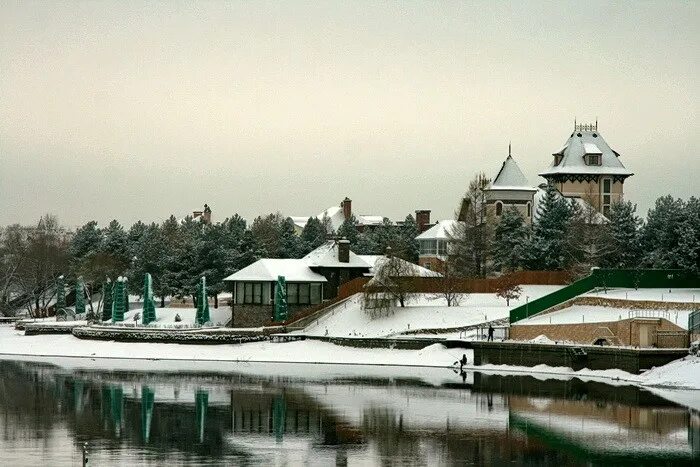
column 585, row 141
column 511, row 178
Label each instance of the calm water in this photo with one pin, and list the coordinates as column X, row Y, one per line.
column 131, row 418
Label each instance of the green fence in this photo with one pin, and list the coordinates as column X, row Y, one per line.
column 617, row 278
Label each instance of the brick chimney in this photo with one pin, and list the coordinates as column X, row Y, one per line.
column 346, row 204
column 344, row 250
column 207, row 214
column 423, row 219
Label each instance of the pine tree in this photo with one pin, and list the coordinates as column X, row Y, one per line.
column 547, row 249
column 688, row 250
column 472, row 237
column 348, row 229
column 406, row 245
column 624, row 234
column 509, row 240
column 660, row 235
column 313, row 235
column 290, row 245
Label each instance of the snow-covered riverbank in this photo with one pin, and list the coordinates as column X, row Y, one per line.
column 69, row 351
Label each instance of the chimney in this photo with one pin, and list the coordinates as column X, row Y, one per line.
column 346, row 204
column 344, row 250
column 423, row 219
column 207, row 214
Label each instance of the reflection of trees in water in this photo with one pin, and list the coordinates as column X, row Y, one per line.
column 385, row 427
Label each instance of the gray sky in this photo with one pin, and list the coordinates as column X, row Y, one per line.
column 133, row 110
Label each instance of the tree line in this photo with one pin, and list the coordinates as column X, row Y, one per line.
column 570, row 235
column 175, row 252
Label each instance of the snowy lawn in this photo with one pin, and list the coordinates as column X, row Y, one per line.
column 655, row 295
column 577, row 314
column 165, row 317
column 424, row 312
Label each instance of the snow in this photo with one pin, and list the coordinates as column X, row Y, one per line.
column 591, row 148
column 165, row 317
column 542, row 339
column 577, row 314
column 267, row 270
column 682, row 373
column 423, row 312
column 326, row 255
column 690, row 296
column 443, row 230
column 510, row 177
column 376, row 261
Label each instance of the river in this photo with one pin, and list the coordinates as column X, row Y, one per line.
column 311, row 415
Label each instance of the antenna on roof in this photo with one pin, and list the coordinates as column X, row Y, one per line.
column 508, row 148
column 574, row 123
column 596, row 123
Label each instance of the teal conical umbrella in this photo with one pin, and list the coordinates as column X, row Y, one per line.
column 147, row 399
column 118, row 302
column 149, row 306
column 60, row 296
column 281, row 308
column 202, row 303
column 201, row 402
column 79, row 296
column 107, row 300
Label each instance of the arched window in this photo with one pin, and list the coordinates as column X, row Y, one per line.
column 529, row 210
column 499, row 208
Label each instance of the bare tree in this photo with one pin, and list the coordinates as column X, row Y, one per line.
column 508, row 289
column 393, row 282
column 472, row 236
column 450, row 286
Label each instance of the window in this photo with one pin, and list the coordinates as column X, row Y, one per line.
column 594, row 159
column 304, row 294
column 315, row 293
column 257, row 293
column 529, row 210
column 240, row 293
column 442, row 247
column 292, row 294
column 557, row 159
column 428, row 247
column 248, row 293
column 499, row 208
column 607, row 196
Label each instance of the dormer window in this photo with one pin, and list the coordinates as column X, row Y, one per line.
column 557, row 159
column 592, row 159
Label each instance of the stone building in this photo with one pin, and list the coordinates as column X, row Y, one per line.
column 509, row 189
column 587, row 168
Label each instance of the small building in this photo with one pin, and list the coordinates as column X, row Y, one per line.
column 434, row 244
column 310, row 280
column 586, row 167
column 509, row 189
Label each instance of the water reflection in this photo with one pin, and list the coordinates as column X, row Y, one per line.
column 471, row 419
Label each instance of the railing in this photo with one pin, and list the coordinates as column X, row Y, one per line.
column 608, row 278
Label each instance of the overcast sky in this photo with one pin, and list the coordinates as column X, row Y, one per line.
column 134, row 110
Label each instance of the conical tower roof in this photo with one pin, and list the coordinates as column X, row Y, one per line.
column 510, row 177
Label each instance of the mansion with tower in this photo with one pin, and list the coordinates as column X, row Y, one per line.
column 586, row 170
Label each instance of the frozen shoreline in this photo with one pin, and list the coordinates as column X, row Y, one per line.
column 70, row 352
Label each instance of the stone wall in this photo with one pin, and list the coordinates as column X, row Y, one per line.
column 252, row 316
column 620, row 303
column 624, row 332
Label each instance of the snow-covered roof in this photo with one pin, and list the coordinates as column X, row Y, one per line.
column 443, row 230
column 581, row 142
column 267, row 270
column 376, row 261
column 364, row 219
column 511, row 178
column 327, row 256
column 336, row 217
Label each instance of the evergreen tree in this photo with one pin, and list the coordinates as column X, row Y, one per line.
column 624, row 235
column 509, row 240
column 472, row 238
column 661, row 234
column 313, row 235
column 547, row 249
column 688, row 250
column 290, row 245
column 248, row 252
column 266, row 231
column 406, row 245
column 348, row 229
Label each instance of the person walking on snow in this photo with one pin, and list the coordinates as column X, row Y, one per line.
column 490, row 333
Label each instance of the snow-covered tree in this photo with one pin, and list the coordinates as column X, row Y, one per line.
column 348, row 229
column 661, row 234
column 509, row 239
column 508, row 290
column 625, row 249
column 688, row 250
column 547, row 249
column 290, row 245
